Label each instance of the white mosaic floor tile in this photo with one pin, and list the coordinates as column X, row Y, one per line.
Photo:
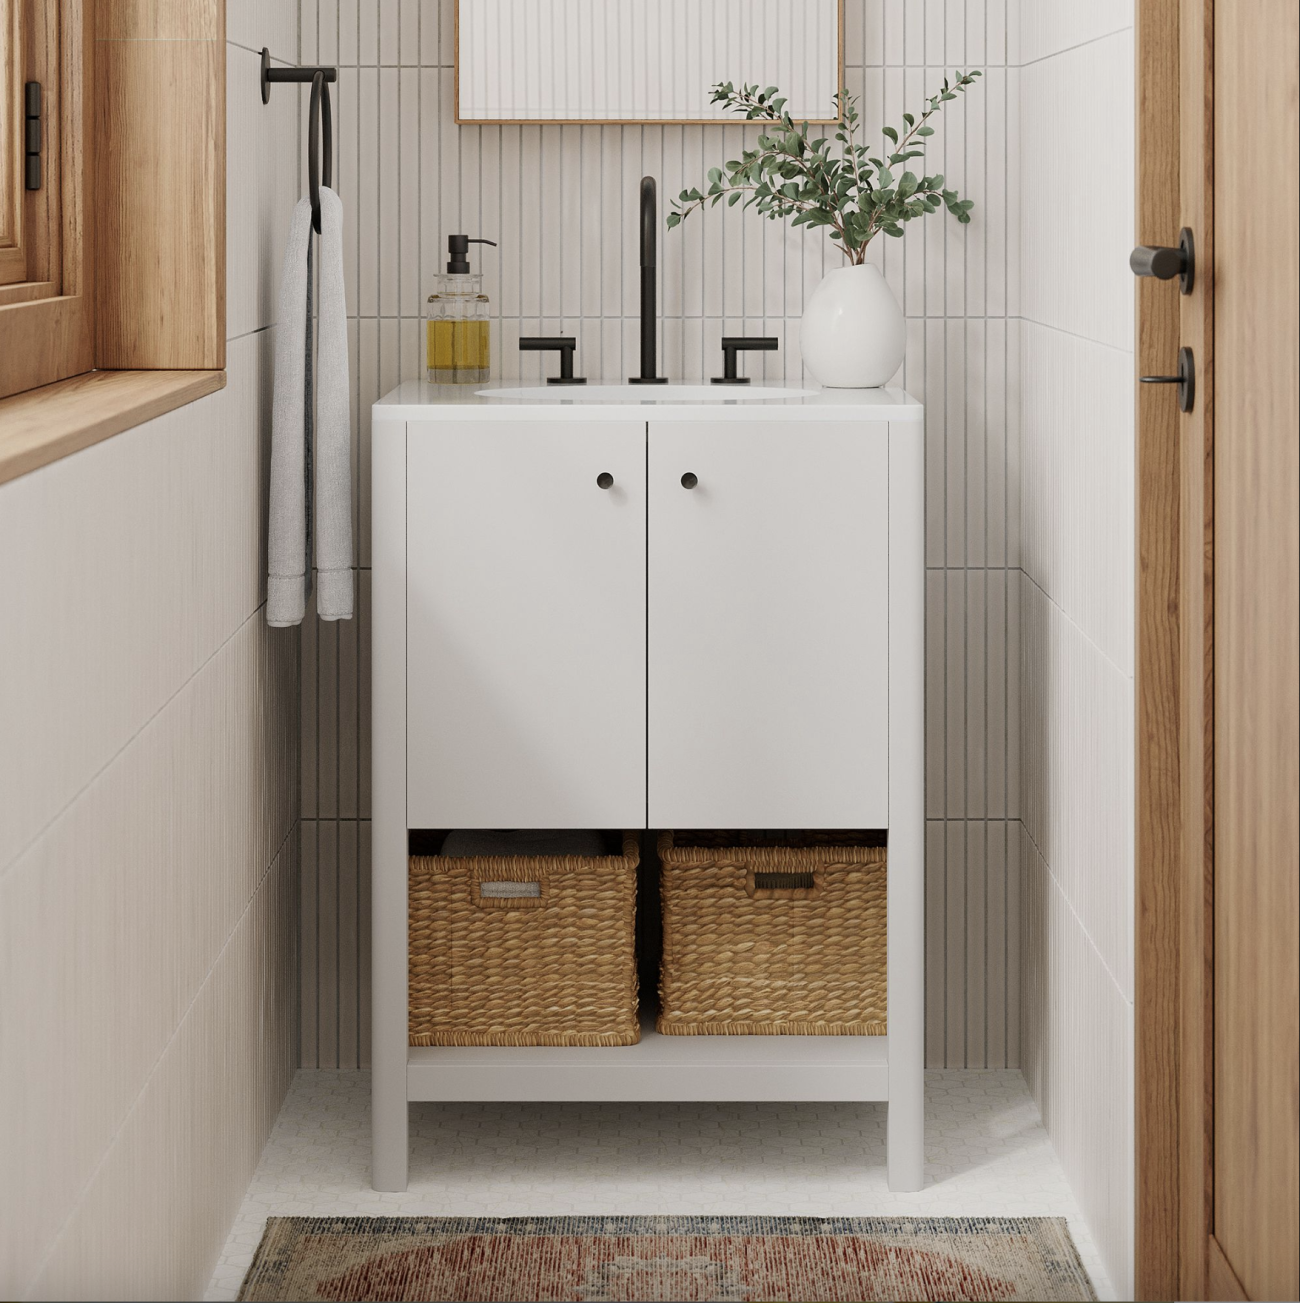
column 986, row 1150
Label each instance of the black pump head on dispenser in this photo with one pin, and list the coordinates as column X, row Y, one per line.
column 458, row 253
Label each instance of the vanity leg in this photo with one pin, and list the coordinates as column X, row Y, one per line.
column 906, row 903
column 389, row 1120
column 906, row 1121
column 388, row 1022
column 390, row 1135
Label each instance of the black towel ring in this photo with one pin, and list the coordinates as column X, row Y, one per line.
column 320, row 145
column 320, row 124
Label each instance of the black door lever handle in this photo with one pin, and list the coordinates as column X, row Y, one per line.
column 1185, row 380
column 1165, row 263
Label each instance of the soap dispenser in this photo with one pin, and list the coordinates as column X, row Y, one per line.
column 458, row 343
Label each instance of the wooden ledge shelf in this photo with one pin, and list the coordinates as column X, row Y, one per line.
column 41, row 425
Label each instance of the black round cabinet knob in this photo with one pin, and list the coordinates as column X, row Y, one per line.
column 605, row 480
column 690, row 480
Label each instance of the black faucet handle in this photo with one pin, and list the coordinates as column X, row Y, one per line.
column 733, row 346
column 562, row 344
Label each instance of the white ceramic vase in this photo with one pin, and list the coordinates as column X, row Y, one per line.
column 853, row 335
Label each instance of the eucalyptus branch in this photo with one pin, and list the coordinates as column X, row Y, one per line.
column 790, row 176
column 787, row 206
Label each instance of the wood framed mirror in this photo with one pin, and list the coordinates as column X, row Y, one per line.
column 641, row 61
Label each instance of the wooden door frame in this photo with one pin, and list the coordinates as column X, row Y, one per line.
column 1173, row 1057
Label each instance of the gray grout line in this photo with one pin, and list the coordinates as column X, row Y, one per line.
column 1070, row 49
column 1074, row 913
column 1126, row 675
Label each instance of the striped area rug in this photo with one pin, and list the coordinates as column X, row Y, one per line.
column 678, row 1259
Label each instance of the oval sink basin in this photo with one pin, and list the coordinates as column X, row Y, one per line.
column 647, row 393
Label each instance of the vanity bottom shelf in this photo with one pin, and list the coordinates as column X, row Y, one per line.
column 659, row 1068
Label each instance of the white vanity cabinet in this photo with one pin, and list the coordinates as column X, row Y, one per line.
column 569, row 633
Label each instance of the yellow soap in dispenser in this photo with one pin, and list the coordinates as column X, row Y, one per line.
column 458, row 344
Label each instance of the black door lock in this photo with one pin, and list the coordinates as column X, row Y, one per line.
column 1185, row 380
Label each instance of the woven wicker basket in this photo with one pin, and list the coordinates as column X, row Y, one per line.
column 782, row 937
column 545, row 958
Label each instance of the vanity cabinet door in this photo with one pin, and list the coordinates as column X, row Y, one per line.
column 768, row 629
column 526, row 624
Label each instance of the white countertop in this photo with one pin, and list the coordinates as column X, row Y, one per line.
column 416, row 400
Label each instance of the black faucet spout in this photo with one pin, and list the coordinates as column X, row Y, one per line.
column 649, row 216
column 649, row 272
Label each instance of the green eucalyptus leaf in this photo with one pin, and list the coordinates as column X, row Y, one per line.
column 793, row 177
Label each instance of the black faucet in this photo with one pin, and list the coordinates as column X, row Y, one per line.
column 649, row 238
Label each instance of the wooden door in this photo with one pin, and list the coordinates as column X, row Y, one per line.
column 1218, row 701
column 1256, row 419
column 768, row 629
column 526, row 624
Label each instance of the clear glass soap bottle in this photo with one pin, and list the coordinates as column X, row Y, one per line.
column 458, row 345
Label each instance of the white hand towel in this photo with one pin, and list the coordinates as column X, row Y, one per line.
column 288, row 545
column 311, row 437
column 333, row 425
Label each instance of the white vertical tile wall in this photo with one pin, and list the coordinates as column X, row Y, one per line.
column 1024, row 359
column 562, row 202
column 1075, row 106
column 149, row 800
